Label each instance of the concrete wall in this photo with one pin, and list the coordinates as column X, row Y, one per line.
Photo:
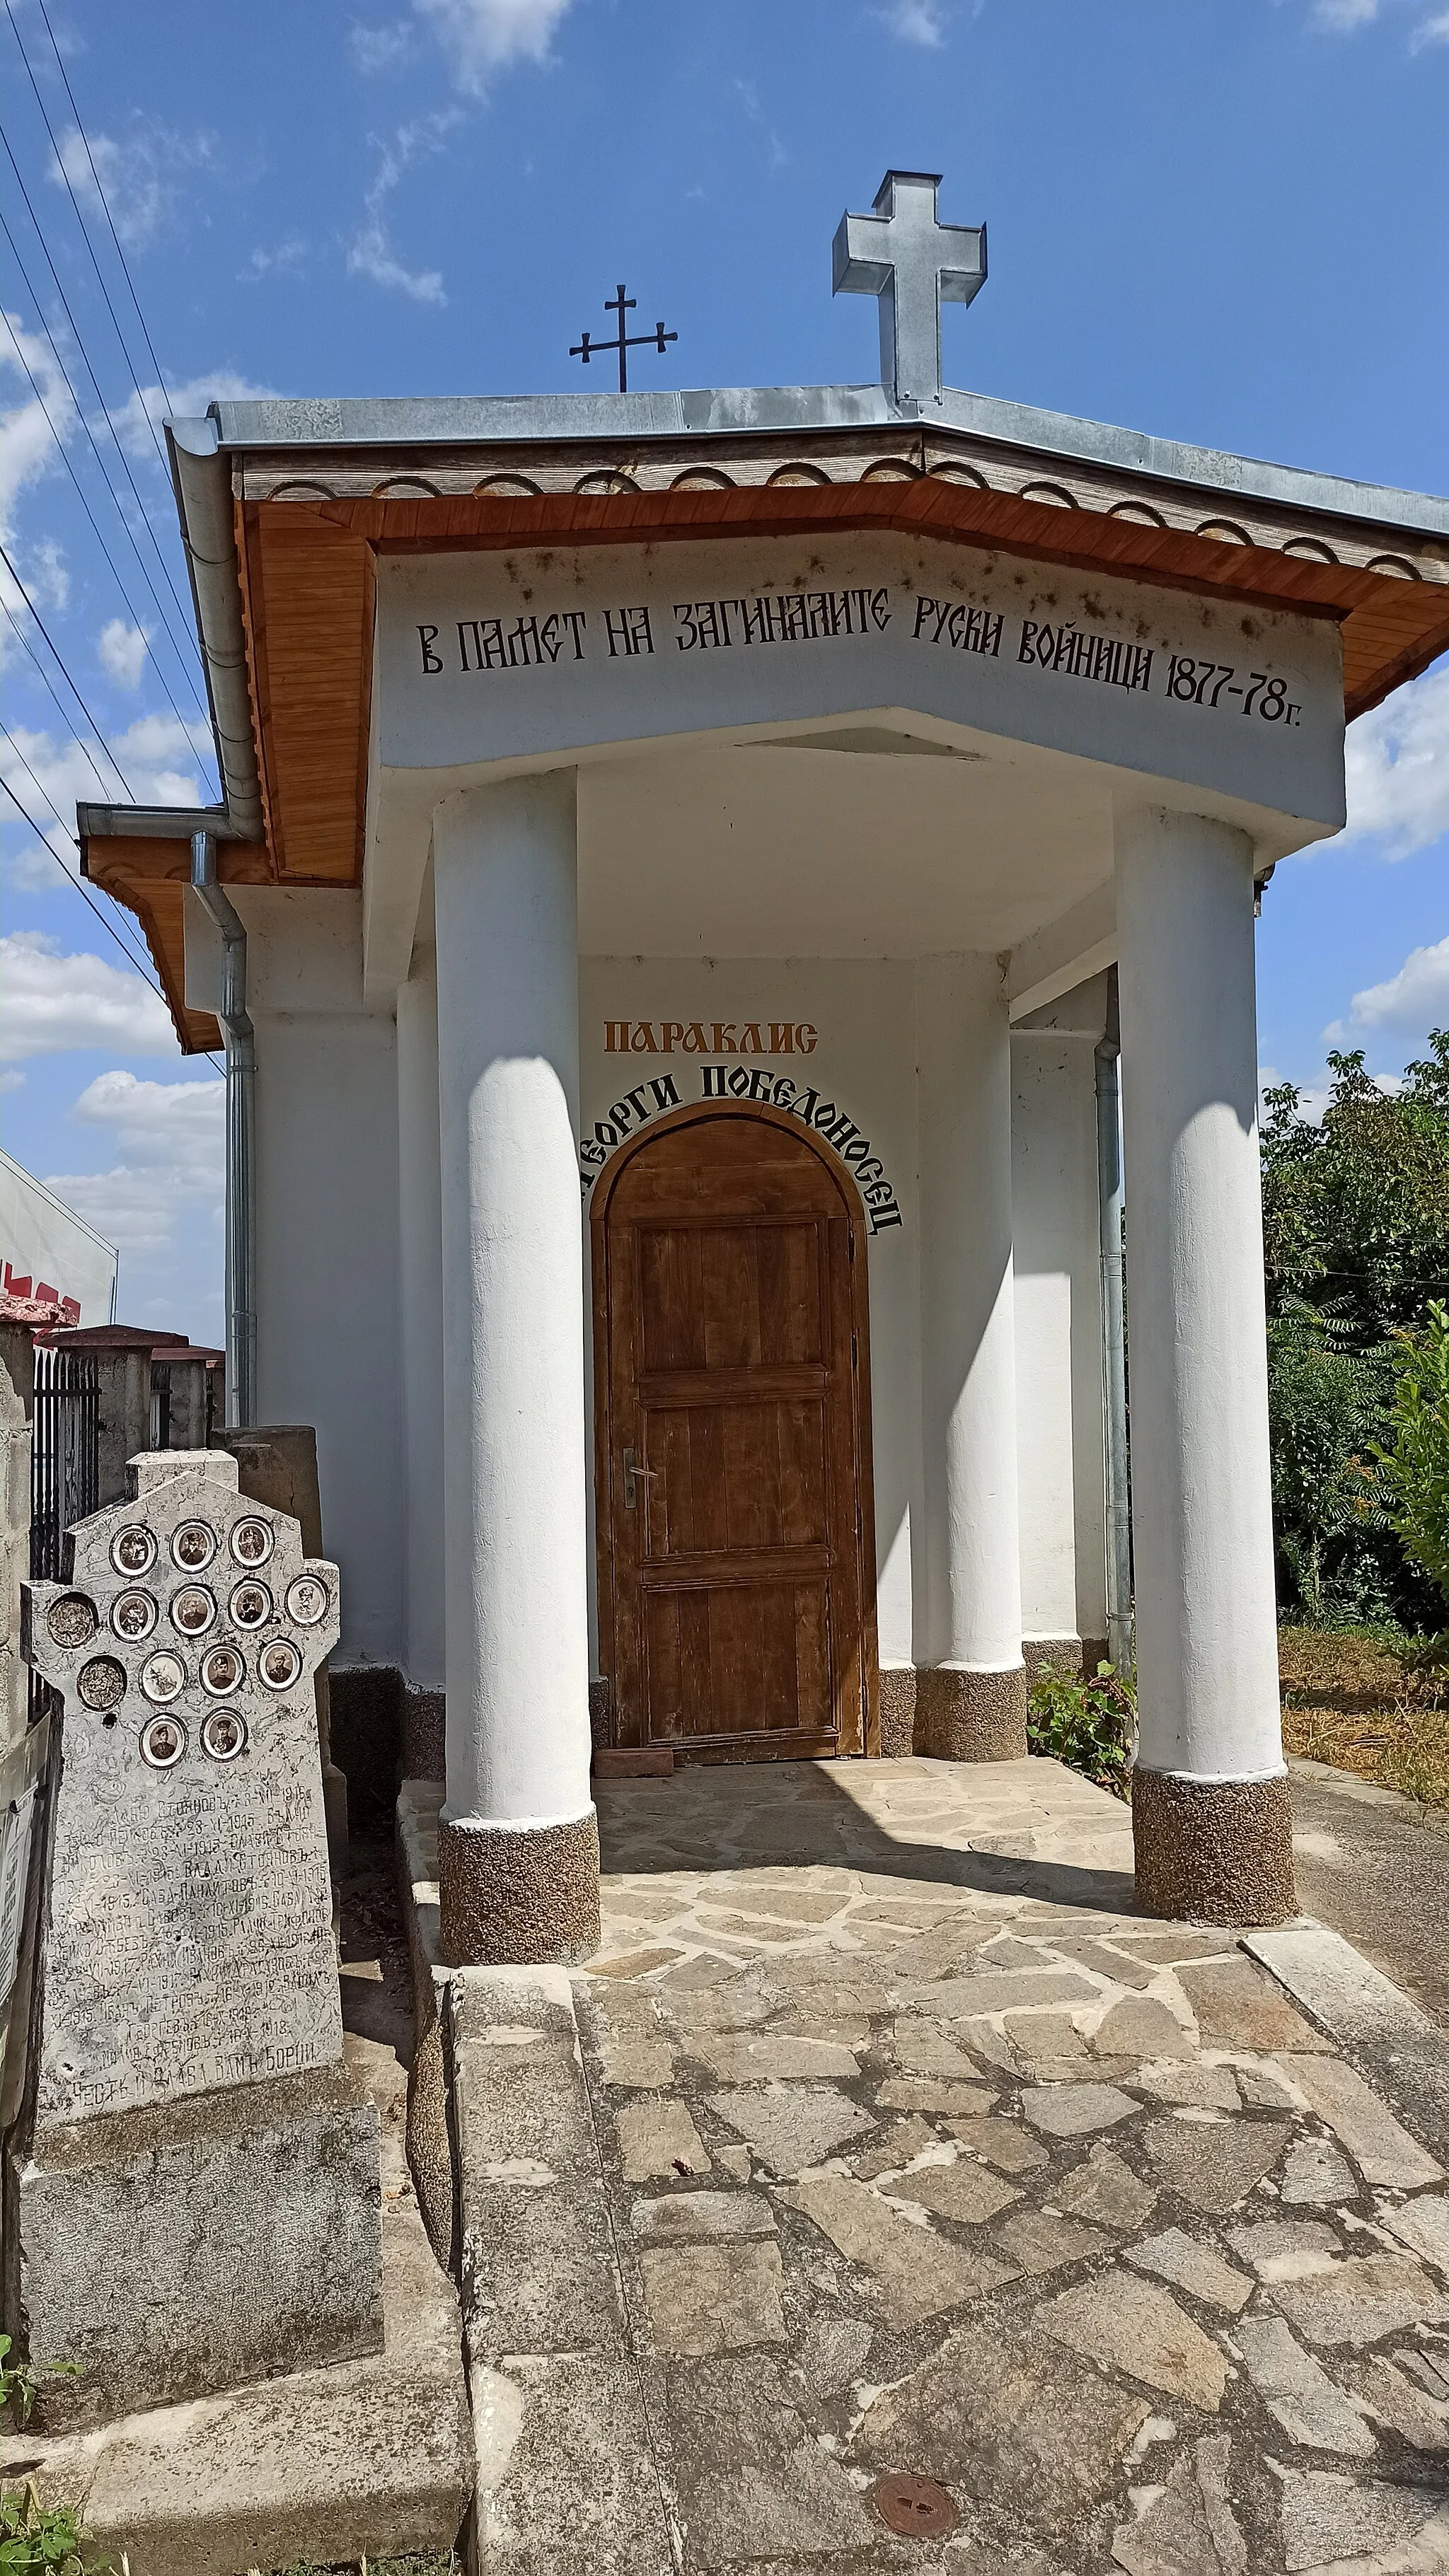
column 327, row 1242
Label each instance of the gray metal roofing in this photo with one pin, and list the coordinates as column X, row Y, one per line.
column 521, row 420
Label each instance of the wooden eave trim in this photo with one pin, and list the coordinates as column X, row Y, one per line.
column 1075, row 538
column 149, row 878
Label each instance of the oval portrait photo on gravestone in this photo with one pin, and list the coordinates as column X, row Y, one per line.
column 193, row 1610
column 133, row 1550
column 306, row 1600
column 133, row 1616
column 251, row 1605
column 193, row 1546
column 280, row 1664
column 163, row 1676
column 251, row 1542
column 224, row 1734
column 222, row 1672
column 163, row 1742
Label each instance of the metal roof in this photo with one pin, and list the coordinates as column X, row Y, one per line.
column 537, row 420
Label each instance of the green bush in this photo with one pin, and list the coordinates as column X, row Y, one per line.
column 1090, row 1725
column 45, row 2540
column 1413, row 1476
column 1356, row 1237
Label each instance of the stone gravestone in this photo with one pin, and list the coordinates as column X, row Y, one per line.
column 196, row 2199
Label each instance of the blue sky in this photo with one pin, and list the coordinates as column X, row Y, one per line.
column 1221, row 220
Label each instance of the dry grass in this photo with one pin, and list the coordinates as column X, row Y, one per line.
column 1348, row 1701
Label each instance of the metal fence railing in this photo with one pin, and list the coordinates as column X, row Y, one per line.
column 64, row 1470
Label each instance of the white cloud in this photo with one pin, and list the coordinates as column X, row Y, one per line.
column 29, row 448
column 169, row 1140
column 183, row 402
column 54, row 1002
column 156, row 763
column 481, row 37
column 122, row 649
column 380, row 49
column 1415, row 1000
column 137, row 175
column 916, row 22
column 283, row 261
column 371, row 253
column 1397, row 759
column 1345, row 17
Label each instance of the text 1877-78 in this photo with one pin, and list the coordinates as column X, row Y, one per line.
column 1204, row 683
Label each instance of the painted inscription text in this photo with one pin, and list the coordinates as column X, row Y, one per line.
column 709, row 1037
column 770, row 1091
column 1067, row 650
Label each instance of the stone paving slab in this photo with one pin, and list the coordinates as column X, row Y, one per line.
column 964, row 2170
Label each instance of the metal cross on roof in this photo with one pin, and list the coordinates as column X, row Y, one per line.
column 621, row 304
column 902, row 254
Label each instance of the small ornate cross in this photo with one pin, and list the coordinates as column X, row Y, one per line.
column 621, row 304
column 903, row 255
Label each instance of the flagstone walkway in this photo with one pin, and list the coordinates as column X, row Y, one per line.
column 909, row 2152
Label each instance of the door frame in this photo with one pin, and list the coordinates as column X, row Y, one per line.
column 862, row 1736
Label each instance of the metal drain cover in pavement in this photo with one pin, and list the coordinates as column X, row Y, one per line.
column 915, row 2506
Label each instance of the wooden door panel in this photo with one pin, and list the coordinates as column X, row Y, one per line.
column 729, row 1358
column 729, row 1295
column 735, row 1476
column 739, row 1661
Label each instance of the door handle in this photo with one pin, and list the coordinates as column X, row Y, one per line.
column 635, row 1475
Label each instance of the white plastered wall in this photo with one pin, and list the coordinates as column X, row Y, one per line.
column 1059, row 1320
column 327, row 1230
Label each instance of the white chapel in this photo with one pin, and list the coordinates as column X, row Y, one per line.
column 693, row 870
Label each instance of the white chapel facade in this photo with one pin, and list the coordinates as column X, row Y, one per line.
column 687, row 866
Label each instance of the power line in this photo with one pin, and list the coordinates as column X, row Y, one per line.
column 90, row 371
column 86, row 897
column 183, row 645
column 100, row 192
column 65, row 675
column 44, row 837
column 85, row 505
column 63, row 712
column 84, row 230
column 122, row 938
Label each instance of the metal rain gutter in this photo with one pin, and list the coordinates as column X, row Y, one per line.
column 202, row 480
column 241, row 1175
column 1114, row 1350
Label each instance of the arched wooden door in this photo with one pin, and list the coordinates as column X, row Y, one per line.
column 732, row 1416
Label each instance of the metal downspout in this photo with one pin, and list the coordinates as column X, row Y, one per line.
column 1114, row 1354
column 241, row 1071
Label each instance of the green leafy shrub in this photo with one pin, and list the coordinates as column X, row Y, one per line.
column 1413, row 1476
column 1326, row 1402
column 1356, row 1238
column 45, row 2540
column 1090, row 1725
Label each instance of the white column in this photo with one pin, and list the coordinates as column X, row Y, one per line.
column 420, row 1263
column 1210, row 1802
column 970, row 1685
column 518, row 1846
